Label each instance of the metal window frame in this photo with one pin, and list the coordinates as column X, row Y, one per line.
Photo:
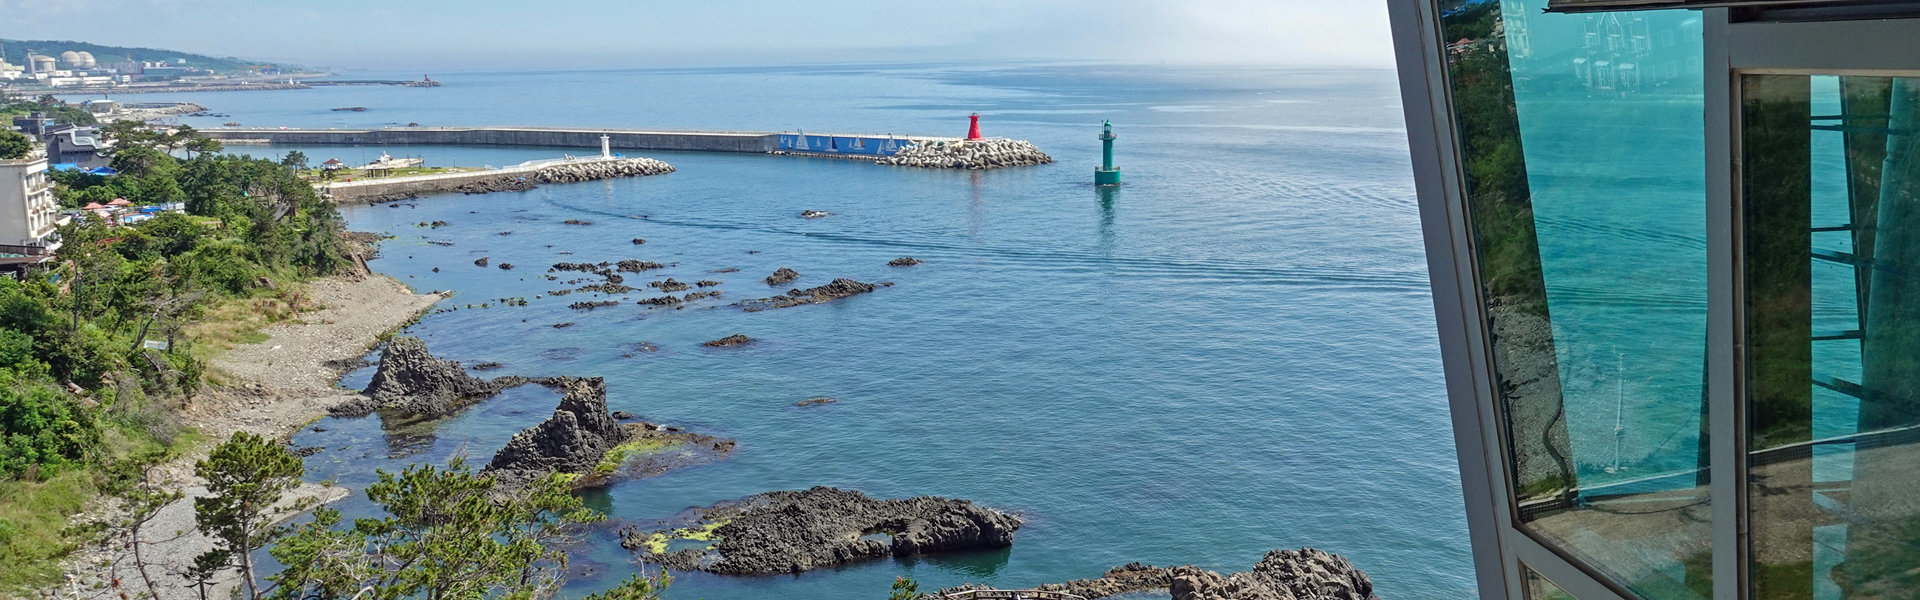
column 1734, row 48
column 1731, row 47
column 1500, row 549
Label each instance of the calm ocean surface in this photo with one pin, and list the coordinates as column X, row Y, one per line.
column 1232, row 353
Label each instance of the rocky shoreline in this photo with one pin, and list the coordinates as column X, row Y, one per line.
column 796, row 531
column 1304, row 574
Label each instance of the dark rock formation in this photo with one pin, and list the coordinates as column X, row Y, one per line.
column 660, row 301
column 577, row 222
column 506, row 266
column 732, row 340
column 481, row 263
column 782, row 276
column 1304, row 574
column 487, row 366
column 815, row 401
column 794, row 531
column 636, row 266
column 604, row 288
column 638, row 241
column 668, row 286
column 582, row 437
column 904, row 261
column 838, row 288
column 562, row 325
column 412, row 381
column 592, row 305
column 706, row 283
column 1124, row 579
column 573, row 440
column 814, row 214
column 621, row 415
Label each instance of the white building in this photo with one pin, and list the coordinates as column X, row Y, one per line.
column 28, row 212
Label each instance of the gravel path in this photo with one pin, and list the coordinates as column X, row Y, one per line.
column 283, row 384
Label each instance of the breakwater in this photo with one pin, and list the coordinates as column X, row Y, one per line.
column 517, row 177
column 903, row 150
column 970, row 154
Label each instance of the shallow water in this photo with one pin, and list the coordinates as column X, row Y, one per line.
column 1232, row 353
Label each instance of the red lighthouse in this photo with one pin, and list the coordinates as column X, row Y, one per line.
column 973, row 131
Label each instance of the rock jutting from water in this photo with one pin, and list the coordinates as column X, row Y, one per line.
column 991, row 153
column 583, row 438
column 669, row 285
column 795, row 531
column 837, row 289
column 904, row 261
column 481, row 262
column 1304, row 574
column 814, row 214
column 782, row 276
column 732, row 340
column 412, row 381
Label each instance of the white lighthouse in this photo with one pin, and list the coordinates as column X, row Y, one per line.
column 606, row 146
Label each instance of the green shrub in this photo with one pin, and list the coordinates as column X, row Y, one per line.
column 43, row 427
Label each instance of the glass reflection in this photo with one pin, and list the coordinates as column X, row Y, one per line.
column 1830, row 182
column 1583, row 142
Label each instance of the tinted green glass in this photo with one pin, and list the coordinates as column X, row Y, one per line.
column 1538, row 588
column 1582, row 142
column 1830, row 185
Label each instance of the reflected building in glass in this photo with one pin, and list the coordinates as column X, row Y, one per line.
column 1669, row 250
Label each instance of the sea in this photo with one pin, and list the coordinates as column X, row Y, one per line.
column 1231, row 353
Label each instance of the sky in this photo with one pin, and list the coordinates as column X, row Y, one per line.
column 604, row 34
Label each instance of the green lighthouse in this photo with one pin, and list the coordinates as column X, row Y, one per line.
column 1106, row 174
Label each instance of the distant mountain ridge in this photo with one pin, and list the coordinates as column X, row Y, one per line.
column 15, row 51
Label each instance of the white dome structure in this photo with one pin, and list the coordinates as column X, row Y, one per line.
column 70, row 58
column 86, row 61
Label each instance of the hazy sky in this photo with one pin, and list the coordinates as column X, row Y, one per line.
column 480, row 34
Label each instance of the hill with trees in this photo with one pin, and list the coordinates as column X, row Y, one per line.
column 15, row 51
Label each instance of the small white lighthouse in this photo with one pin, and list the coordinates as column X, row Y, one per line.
column 606, row 146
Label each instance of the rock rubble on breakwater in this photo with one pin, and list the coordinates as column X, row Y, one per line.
column 513, row 180
column 1304, row 574
column 795, row 531
column 991, row 153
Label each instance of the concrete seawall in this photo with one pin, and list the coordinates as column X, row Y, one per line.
column 545, row 171
column 623, row 139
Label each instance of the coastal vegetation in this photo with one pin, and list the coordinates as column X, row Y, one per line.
column 14, row 106
column 100, row 346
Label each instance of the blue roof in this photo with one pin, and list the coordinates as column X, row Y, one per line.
column 64, row 166
column 102, row 171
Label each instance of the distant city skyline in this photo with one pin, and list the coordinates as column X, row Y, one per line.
column 605, row 34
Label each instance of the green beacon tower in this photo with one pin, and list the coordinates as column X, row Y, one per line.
column 1106, row 174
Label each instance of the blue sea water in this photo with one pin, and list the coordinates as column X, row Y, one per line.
column 1232, row 353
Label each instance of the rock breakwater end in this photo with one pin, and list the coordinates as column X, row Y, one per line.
column 835, row 290
column 1304, row 574
column 732, row 340
column 795, row 531
column 601, row 169
column 411, row 380
column 992, row 153
column 583, row 438
column 904, row 261
column 782, row 276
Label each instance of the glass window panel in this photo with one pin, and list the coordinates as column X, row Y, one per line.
column 1583, row 145
column 1830, row 183
column 1538, row 588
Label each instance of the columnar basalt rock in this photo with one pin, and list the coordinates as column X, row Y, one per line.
column 577, row 436
column 992, row 153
